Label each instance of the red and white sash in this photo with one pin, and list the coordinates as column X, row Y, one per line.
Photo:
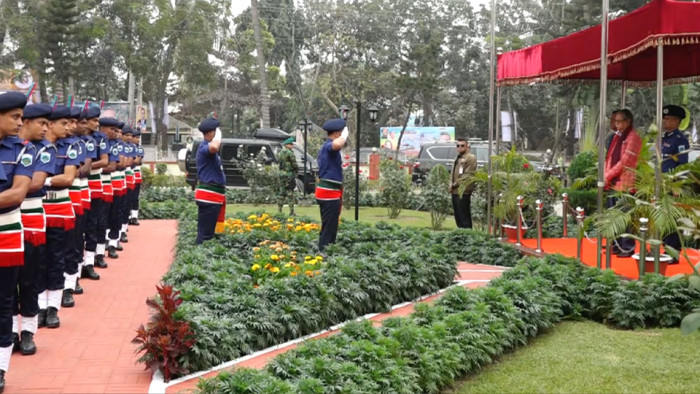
column 76, row 196
column 137, row 175
column 107, row 190
column 118, row 183
column 95, row 184
column 34, row 221
column 85, row 194
column 59, row 209
column 11, row 239
column 210, row 194
column 130, row 179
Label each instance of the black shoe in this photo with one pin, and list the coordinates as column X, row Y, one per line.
column 112, row 252
column 15, row 342
column 67, row 301
column 134, row 222
column 78, row 288
column 41, row 317
column 118, row 248
column 123, row 239
column 2, row 380
column 27, row 346
column 89, row 273
column 100, row 261
column 52, row 320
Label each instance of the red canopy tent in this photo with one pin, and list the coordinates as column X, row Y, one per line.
column 632, row 54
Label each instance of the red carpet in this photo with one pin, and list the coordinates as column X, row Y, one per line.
column 627, row 267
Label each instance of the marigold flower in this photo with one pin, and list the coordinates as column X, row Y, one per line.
column 275, row 257
column 319, row 258
column 267, row 266
column 293, row 273
column 256, row 249
column 287, row 265
column 255, row 267
column 275, row 269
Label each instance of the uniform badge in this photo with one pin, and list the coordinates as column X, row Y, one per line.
column 103, row 145
column 26, row 160
column 681, row 148
column 90, row 146
column 115, row 151
column 121, row 148
column 72, row 154
column 45, row 157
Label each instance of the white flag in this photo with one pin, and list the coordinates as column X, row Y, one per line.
column 166, row 117
column 153, row 118
column 506, row 127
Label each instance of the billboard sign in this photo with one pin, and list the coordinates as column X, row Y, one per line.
column 414, row 137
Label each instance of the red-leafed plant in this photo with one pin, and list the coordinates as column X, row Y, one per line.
column 164, row 339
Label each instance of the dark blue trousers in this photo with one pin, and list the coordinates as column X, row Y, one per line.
column 74, row 246
column 53, row 264
column 8, row 286
column 114, row 220
column 624, row 243
column 27, row 294
column 330, row 213
column 207, row 215
column 96, row 224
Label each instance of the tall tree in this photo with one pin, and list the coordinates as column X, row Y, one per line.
column 262, row 69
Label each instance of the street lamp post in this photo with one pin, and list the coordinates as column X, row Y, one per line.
column 343, row 112
column 304, row 126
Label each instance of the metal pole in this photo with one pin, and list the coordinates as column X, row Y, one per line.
column 601, row 119
column 306, row 127
column 491, row 91
column 608, row 253
column 519, row 223
column 659, row 125
column 623, row 97
column 538, row 207
column 565, row 208
column 643, row 247
column 579, row 238
column 357, row 164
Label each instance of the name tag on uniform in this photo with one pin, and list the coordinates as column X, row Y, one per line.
column 50, row 195
column 461, row 170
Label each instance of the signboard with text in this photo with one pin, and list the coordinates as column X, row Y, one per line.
column 414, row 137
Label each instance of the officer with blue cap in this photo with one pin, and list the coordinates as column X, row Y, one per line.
column 26, row 308
column 210, row 194
column 138, row 157
column 16, row 170
column 129, row 152
column 329, row 190
column 116, row 183
column 96, row 221
column 674, row 149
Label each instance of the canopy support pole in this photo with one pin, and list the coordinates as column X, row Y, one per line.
column 492, row 65
column 623, row 97
column 602, row 126
column 659, row 125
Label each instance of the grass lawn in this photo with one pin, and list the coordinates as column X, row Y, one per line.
column 587, row 357
column 368, row 215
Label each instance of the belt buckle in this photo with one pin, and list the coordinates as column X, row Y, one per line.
column 50, row 195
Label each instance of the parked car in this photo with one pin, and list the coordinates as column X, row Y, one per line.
column 236, row 149
column 383, row 152
column 444, row 153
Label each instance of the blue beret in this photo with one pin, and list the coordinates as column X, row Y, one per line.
column 75, row 112
column 12, row 100
column 136, row 133
column 209, row 124
column 91, row 112
column 127, row 129
column 121, row 125
column 60, row 112
column 110, row 122
column 674, row 110
column 37, row 111
column 334, row 125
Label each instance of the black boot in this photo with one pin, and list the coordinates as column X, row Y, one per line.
column 123, row 239
column 15, row 342
column 2, row 380
column 67, row 301
column 112, row 252
column 89, row 273
column 78, row 288
column 42, row 318
column 134, row 222
column 100, row 261
column 27, row 346
column 119, row 247
column 52, row 320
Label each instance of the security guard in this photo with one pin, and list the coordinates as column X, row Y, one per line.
column 91, row 155
column 114, row 221
column 329, row 189
column 16, row 168
column 138, row 159
column 289, row 170
column 674, row 149
column 211, row 190
column 130, row 180
column 35, row 125
column 60, row 217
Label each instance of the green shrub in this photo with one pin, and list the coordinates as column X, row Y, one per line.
column 161, row 169
column 581, row 165
column 436, row 197
column 586, row 199
column 395, row 187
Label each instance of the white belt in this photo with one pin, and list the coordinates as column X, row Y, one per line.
column 105, row 177
column 31, row 203
column 76, row 182
column 84, row 183
column 95, row 172
column 56, row 194
column 12, row 217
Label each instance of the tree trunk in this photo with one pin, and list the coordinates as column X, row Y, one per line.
column 264, row 97
column 405, row 123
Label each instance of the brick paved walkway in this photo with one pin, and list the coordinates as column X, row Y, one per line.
column 92, row 351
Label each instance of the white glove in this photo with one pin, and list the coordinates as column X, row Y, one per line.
column 47, row 182
column 217, row 135
column 345, row 133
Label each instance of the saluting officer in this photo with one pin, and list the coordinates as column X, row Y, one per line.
column 35, row 125
column 674, row 147
column 16, row 168
column 211, row 188
column 329, row 190
column 60, row 218
column 138, row 157
column 290, row 169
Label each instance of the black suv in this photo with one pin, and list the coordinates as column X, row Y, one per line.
column 444, row 153
column 236, row 149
